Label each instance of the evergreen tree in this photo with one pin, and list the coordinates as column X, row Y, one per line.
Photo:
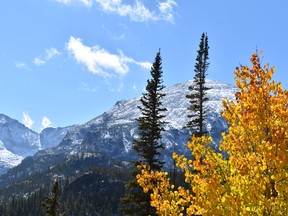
column 51, row 203
column 198, row 90
column 150, row 126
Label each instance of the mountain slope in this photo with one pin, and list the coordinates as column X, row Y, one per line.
column 106, row 140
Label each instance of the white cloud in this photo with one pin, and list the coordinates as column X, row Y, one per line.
column 51, row 52
column 45, row 122
column 138, row 12
column 100, row 61
column 27, row 121
column 166, row 10
column 48, row 55
column 38, row 61
column 87, row 3
column 22, row 65
column 146, row 65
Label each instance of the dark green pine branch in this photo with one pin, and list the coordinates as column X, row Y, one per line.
column 198, row 91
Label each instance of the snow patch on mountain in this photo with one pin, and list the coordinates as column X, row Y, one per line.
column 8, row 159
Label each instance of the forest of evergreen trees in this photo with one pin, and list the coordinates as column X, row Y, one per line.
column 95, row 193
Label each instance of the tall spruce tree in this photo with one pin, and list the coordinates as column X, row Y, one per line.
column 148, row 146
column 198, row 91
column 151, row 123
column 51, row 203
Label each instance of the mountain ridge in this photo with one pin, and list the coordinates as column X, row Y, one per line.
column 106, row 140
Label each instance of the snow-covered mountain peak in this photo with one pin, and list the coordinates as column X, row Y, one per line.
column 175, row 101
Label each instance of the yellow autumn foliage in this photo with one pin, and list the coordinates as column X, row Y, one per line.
column 253, row 178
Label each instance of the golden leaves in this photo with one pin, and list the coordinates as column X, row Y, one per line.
column 164, row 197
column 253, row 178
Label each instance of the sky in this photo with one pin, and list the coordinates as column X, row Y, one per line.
column 64, row 62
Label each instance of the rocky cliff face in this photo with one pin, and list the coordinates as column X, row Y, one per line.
column 51, row 137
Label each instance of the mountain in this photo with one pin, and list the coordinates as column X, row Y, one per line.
column 17, row 138
column 18, row 141
column 51, row 137
column 106, row 140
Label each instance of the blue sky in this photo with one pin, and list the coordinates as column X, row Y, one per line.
column 64, row 62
